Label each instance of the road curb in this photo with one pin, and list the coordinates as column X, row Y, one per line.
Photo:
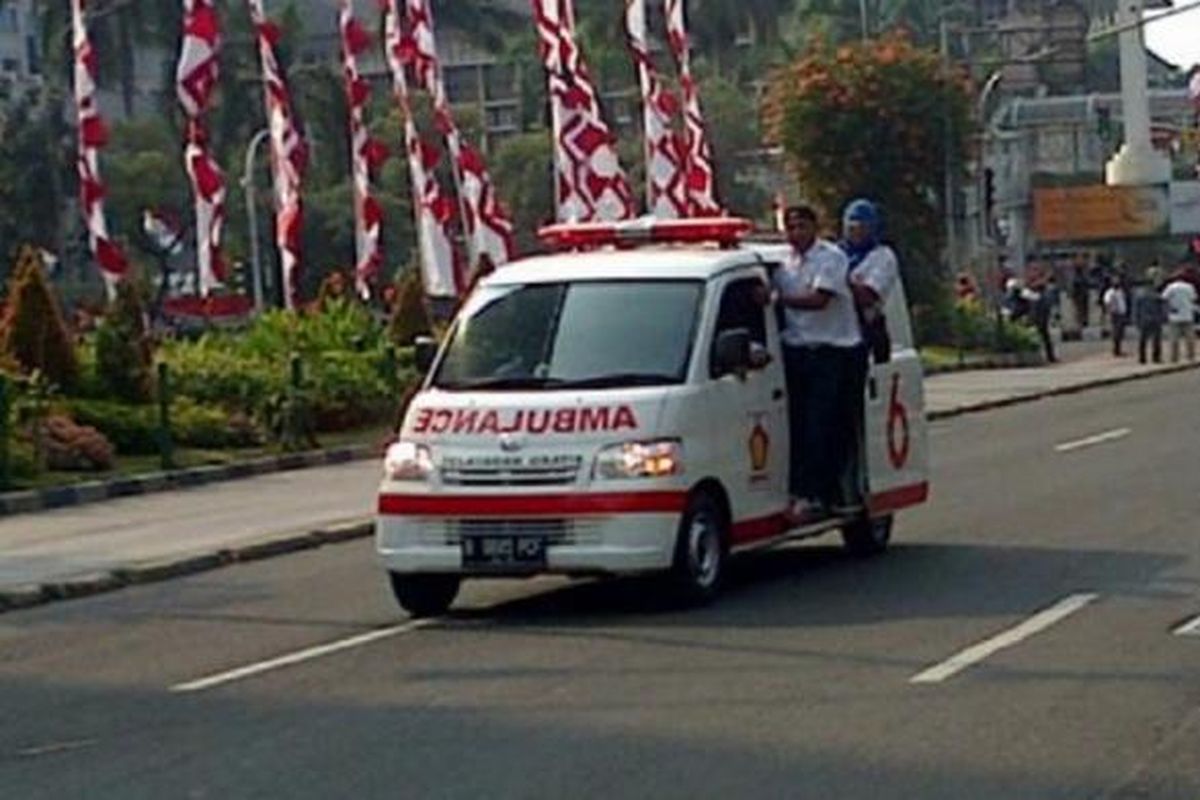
column 95, row 491
column 1058, row 391
column 29, row 595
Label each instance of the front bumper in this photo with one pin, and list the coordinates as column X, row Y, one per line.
column 602, row 543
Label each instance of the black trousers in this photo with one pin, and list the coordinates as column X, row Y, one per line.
column 825, row 390
column 1118, row 322
column 1150, row 335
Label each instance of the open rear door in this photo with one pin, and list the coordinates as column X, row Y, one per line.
column 897, row 451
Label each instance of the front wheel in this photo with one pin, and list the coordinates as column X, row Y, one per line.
column 867, row 536
column 701, row 548
column 424, row 595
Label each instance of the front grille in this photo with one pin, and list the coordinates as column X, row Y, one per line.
column 552, row 472
column 556, row 531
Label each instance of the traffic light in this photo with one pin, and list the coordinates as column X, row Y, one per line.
column 989, row 193
column 1104, row 127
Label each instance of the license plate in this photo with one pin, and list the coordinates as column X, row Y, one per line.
column 494, row 552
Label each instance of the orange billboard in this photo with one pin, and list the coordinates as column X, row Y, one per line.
column 1087, row 213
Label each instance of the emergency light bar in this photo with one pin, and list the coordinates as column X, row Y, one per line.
column 725, row 231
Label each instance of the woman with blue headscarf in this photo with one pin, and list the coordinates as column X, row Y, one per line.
column 873, row 272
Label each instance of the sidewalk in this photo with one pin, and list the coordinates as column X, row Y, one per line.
column 86, row 549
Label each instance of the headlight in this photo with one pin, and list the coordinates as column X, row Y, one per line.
column 656, row 459
column 406, row 461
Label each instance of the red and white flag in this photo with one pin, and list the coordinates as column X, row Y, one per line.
column 666, row 197
column 589, row 183
column 701, row 175
column 366, row 154
column 434, row 211
column 488, row 228
column 92, row 136
column 289, row 155
column 196, row 77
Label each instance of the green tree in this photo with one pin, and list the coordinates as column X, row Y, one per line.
column 871, row 120
column 523, row 169
column 124, row 351
column 34, row 332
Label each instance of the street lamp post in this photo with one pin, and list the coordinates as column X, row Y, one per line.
column 252, row 215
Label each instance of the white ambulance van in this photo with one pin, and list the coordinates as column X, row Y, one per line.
column 620, row 407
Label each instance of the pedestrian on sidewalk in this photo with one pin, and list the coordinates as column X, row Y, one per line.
column 1116, row 305
column 1039, row 301
column 1149, row 314
column 1180, row 297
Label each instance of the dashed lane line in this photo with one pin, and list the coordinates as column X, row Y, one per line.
column 300, row 656
column 1018, row 633
column 1189, row 627
column 1090, row 441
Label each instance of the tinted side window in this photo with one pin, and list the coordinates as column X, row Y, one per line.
column 740, row 309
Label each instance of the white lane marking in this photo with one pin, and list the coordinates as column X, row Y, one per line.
column 299, row 656
column 978, row 652
column 1189, row 628
column 1099, row 438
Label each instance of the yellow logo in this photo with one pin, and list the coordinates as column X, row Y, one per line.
column 760, row 445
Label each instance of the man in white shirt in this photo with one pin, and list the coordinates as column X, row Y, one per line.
column 1180, row 297
column 821, row 340
column 1117, row 308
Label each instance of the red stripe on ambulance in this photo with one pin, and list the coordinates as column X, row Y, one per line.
column 535, row 505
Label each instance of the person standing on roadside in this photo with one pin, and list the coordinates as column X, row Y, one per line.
column 1117, row 309
column 1180, row 297
column 1149, row 314
column 821, row 342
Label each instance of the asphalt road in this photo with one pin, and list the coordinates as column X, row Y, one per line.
column 816, row 675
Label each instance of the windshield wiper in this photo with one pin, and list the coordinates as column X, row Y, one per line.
column 521, row 382
column 618, row 379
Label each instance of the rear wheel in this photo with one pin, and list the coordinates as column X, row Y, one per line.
column 867, row 536
column 701, row 549
column 423, row 595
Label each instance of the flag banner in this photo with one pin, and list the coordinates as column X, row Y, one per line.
column 434, row 211
column 365, row 154
column 666, row 197
column 486, row 224
column 196, row 75
column 92, row 136
column 701, row 175
column 589, row 183
column 289, row 155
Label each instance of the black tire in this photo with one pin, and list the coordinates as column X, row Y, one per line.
column 423, row 595
column 867, row 536
column 701, row 550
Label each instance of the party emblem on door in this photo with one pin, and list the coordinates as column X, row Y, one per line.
column 760, row 450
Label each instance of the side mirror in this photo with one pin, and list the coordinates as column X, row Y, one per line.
column 424, row 352
column 731, row 352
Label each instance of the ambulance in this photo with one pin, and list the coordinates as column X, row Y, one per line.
column 618, row 407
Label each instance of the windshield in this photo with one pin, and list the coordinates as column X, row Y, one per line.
column 573, row 335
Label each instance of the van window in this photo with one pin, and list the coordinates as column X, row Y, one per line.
column 587, row 334
column 740, row 309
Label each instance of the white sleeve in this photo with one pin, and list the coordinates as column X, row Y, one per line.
column 879, row 271
column 831, row 272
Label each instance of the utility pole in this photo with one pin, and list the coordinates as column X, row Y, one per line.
column 948, row 202
column 252, row 216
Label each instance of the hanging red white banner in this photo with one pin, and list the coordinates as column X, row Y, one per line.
column 488, row 228
column 196, row 77
column 92, row 135
column 289, row 155
column 432, row 208
column 701, row 176
column 589, row 183
column 366, row 154
column 665, row 192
